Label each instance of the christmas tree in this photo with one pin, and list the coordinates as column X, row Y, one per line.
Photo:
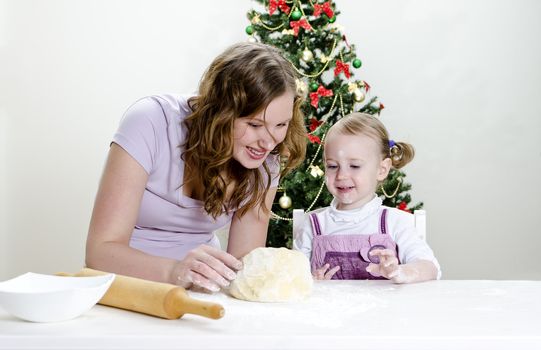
column 307, row 34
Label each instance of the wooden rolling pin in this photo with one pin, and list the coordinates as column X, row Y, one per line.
column 152, row 298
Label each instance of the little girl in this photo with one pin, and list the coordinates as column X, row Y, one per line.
column 357, row 237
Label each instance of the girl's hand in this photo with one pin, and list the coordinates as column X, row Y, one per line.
column 388, row 266
column 323, row 274
column 205, row 267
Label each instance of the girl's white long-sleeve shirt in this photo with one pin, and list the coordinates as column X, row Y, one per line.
column 365, row 220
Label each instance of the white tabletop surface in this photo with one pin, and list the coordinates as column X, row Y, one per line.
column 338, row 315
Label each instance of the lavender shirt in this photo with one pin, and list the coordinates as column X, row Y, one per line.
column 169, row 224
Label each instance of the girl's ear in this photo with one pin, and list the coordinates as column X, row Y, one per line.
column 384, row 168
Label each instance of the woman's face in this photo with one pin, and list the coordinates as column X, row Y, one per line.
column 257, row 135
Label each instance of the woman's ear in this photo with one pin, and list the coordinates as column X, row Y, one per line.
column 384, row 168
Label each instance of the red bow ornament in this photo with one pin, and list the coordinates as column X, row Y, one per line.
column 314, row 124
column 314, row 138
column 297, row 25
column 341, row 67
column 321, row 91
column 325, row 7
column 278, row 3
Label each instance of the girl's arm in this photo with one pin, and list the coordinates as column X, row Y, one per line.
column 412, row 249
column 115, row 213
column 414, row 271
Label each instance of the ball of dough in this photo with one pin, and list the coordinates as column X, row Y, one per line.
column 273, row 275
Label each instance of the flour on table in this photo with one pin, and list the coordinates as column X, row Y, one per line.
column 273, row 275
column 332, row 305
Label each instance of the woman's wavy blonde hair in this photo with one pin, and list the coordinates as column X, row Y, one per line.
column 400, row 153
column 240, row 82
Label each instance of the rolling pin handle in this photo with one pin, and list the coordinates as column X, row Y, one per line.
column 178, row 302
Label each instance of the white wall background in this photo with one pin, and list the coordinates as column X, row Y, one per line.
column 460, row 80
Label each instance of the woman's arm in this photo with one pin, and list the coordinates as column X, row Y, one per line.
column 113, row 220
column 115, row 212
column 250, row 231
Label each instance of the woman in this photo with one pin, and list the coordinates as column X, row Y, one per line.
column 181, row 167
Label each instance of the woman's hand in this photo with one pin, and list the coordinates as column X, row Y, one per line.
column 206, row 267
column 323, row 274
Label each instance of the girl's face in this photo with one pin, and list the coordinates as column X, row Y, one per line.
column 257, row 135
column 353, row 169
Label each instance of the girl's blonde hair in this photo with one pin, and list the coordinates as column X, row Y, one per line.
column 240, row 82
column 400, row 153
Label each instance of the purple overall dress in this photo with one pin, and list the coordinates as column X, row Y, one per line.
column 349, row 251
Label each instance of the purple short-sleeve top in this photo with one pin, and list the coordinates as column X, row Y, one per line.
column 169, row 224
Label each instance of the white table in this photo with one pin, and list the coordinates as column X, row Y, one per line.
column 338, row 315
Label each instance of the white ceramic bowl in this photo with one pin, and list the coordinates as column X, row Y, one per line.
column 46, row 298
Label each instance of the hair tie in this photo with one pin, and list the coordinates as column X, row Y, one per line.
column 394, row 151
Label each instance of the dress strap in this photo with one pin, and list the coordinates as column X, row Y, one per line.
column 316, row 228
column 383, row 222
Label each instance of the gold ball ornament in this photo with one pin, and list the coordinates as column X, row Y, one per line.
column 285, row 201
column 307, row 55
column 358, row 95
